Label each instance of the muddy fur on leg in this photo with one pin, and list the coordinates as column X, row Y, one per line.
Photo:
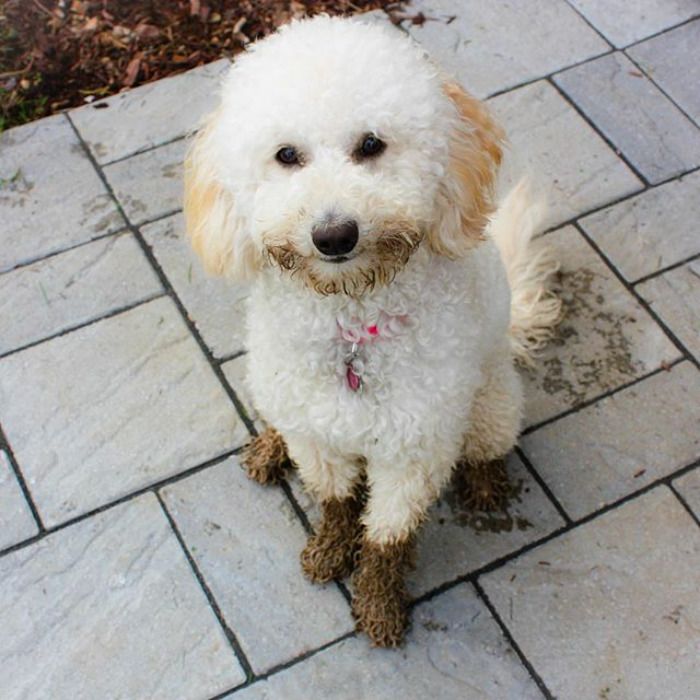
column 380, row 599
column 265, row 458
column 330, row 553
column 482, row 485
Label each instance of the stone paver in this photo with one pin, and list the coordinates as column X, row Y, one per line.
column 661, row 58
column 71, row 288
column 108, row 609
column 485, row 46
column 149, row 185
column 675, row 297
column 647, row 233
column 246, row 541
column 550, row 141
column 623, row 22
column 455, row 651
column 50, row 195
column 111, row 408
column 621, row 443
column 605, row 340
column 216, row 306
column 655, row 136
column 149, row 115
column 689, row 487
column 456, row 541
column 611, row 609
column 235, row 372
column 16, row 521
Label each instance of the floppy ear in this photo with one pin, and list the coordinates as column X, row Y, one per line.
column 217, row 234
column 465, row 198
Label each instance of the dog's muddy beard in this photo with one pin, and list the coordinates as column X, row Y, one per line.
column 387, row 255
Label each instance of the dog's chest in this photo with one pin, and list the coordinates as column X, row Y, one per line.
column 352, row 372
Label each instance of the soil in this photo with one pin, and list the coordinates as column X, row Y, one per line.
column 57, row 54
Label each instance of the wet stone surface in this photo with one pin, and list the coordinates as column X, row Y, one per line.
column 115, row 595
column 623, row 22
column 111, row 408
column 621, row 443
column 610, row 610
column 552, row 145
column 217, row 306
column 485, row 47
column 661, row 58
column 149, row 185
column 246, row 539
column 689, row 487
column 454, row 648
column 16, row 521
column 51, row 198
column 675, row 297
column 457, row 539
column 149, row 115
column 655, row 136
column 654, row 230
column 71, row 288
column 605, row 340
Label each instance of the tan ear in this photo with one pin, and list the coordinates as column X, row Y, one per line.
column 466, row 194
column 215, row 232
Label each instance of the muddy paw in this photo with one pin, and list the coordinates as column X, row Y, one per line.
column 384, row 619
column 330, row 553
column 324, row 559
column 482, row 486
column 380, row 600
column 265, row 458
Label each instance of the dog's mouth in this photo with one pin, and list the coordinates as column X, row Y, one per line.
column 377, row 262
column 338, row 259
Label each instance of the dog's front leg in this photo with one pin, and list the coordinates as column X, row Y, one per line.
column 335, row 481
column 399, row 496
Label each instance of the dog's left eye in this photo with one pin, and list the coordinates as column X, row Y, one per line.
column 288, row 155
column 370, row 146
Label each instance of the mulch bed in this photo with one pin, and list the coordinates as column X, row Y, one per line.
column 56, row 54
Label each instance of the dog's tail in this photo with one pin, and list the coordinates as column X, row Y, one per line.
column 530, row 265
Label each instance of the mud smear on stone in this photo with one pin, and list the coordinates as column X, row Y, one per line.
column 433, row 626
column 171, row 171
column 135, row 206
column 97, row 204
column 17, row 183
column 77, row 149
column 495, row 521
column 605, row 358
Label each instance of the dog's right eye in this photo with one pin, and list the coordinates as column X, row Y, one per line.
column 288, row 155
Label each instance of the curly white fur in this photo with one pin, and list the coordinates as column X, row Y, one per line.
column 438, row 378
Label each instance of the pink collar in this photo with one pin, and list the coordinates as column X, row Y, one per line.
column 358, row 335
column 386, row 326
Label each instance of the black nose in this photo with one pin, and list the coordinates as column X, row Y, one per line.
column 335, row 238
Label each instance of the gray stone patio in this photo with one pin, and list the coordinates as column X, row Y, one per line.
column 137, row 561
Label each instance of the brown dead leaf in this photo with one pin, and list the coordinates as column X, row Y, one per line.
column 132, row 71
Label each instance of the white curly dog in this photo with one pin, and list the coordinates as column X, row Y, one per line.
column 352, row 182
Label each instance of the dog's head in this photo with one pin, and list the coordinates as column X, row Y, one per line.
column 337, row 150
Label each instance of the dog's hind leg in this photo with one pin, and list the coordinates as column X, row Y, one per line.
column 480, row 479
column 336, row 481
column 265, row 457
